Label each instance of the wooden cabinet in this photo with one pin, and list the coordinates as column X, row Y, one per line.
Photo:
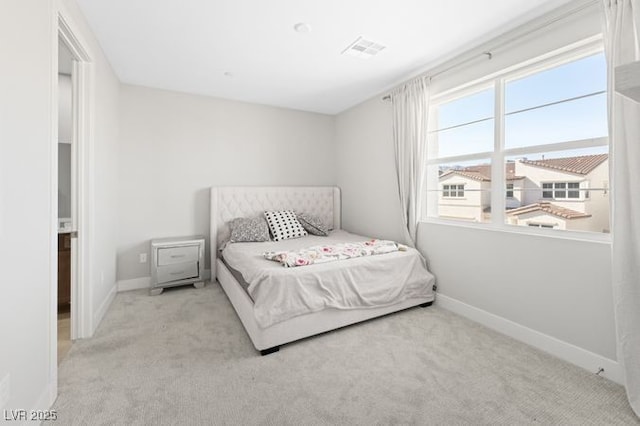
column 64, row 272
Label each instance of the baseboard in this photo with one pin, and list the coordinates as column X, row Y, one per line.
column 104, row 307
column 45, row 401
column 563, row 350
column 144, row 282
column 134, row 284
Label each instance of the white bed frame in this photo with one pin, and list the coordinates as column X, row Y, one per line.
column 228, row 203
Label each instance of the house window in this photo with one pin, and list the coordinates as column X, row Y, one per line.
column 573, row 190
column 563, row 190
column 540, row 225
column 544, row 124
column 453, row 191
column 509, row 190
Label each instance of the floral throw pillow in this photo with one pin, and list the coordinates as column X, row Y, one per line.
column 313, row 224
column 245, row 229
column 284, row 225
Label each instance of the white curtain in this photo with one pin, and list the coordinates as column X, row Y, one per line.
column 410, row 118
column 621, row 47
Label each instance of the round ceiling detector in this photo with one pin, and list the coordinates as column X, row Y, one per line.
column 302, row 27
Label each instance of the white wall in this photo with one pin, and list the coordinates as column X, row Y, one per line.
column 28, row 201
column 173, row 147
column 104, row 166
column 559, row 290
column 365, row 171
column 558, row 287
column 25, row 194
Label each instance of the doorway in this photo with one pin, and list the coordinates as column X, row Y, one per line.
column 66, row 197
column 72, row 77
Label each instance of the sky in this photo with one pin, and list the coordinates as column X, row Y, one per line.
column 578, row 119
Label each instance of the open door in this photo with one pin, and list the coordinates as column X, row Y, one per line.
column 66, row 197
column 71, row 297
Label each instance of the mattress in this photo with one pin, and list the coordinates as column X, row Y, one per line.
column 366, row 282
column 238, row 277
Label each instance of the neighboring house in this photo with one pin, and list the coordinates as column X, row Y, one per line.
column 562, row 193
column 466, row 192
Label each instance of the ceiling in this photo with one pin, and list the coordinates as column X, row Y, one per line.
column 248, row 50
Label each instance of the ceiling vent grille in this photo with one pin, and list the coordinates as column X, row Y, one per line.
column 362, row 48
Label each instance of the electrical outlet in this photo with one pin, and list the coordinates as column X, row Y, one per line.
column 143, row 257
column 5, row 391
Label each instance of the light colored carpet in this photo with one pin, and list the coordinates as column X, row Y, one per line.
column 184, row 358
column 64, row 335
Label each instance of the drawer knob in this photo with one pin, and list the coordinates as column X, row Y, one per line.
column 176, row 273
column 175, row 256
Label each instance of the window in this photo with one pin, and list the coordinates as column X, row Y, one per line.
column 563, row 103
column 545, row 125
column 509, row 190
column 562, row 190
column 453, row 191
column 573, row 190
column 540, row 225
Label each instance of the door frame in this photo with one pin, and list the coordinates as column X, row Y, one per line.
column 82, row 185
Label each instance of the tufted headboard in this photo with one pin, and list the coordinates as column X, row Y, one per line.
column 230, row 202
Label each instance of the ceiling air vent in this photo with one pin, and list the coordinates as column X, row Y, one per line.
column 362, row 48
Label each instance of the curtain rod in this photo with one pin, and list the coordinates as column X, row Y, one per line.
column 489, row 53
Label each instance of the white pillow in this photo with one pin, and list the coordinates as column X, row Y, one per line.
column 284, row 225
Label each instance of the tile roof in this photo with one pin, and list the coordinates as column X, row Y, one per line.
column 482, row 172
column 471, row 174
column 547, row 207
column 581, row 165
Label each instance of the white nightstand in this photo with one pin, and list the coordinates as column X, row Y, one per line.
column 176, row 261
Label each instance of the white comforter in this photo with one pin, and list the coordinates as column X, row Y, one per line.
column 282, row 293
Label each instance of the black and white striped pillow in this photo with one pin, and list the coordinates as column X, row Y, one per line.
column 284, row 225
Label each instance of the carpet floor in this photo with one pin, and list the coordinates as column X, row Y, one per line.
column 184, row 358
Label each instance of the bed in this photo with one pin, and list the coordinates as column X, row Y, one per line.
column 252, row 283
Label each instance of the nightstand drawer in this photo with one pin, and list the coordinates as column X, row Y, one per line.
column 181, row 271
column 173, row 255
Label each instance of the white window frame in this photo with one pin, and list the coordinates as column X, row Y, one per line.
column 499, row 155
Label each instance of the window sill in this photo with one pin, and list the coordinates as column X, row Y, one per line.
column 594, row 237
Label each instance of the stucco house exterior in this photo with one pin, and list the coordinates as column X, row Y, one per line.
column 561, row 193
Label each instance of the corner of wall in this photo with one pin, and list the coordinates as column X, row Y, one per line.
column 99, row 314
